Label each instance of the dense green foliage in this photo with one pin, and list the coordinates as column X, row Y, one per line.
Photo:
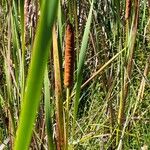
column 108, row 106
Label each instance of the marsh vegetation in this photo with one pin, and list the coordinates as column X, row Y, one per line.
column 74, row 75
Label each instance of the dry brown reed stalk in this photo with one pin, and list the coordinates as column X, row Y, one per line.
column 149, row 3
column 26, row 10
column 26, row 14
column 8, row 71
column 58, row 95
column 132, row 47
column 143, row 82
column 128, row 9
column 30, row 18
column 128, row 72
column 69, row 56
column 142, row 85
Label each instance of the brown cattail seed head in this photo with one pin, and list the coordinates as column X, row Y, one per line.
column 69, row 56
column 128, row 9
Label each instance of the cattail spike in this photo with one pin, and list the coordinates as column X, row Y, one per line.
column 69, row 56
column 128, row 9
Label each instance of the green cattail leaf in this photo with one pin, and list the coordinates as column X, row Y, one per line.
column 48, row 108
column 81, row 63
column 31, row 98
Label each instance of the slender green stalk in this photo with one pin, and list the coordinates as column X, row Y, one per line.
column 67, row 116
column 76, row 29
column 80, row 66
column 48, row 108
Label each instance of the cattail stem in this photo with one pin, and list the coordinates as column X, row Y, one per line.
column 67, row 116
column 68, row 76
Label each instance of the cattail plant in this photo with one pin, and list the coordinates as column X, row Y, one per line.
column 128, row 9
column 105, row 47
column 69, row 56
column 69, row 68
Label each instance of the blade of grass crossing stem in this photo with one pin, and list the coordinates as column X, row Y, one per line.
column 40, row 53
column 80, row 65
column 49, row 128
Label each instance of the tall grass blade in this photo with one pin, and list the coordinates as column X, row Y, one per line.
column 31, row 99
column 80, row 65
column 48, row 108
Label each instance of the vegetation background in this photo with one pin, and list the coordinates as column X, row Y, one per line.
column 108, row 104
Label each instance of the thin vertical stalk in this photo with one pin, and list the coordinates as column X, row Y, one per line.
column 76, row 30
column 60, row 24
column 58, row 95
column 67, row 117
column 80, row 66
column 8, row 71
column 23, row 47
column 48, row 108
column 142, row 85
column 68, row 73
column 121, row 113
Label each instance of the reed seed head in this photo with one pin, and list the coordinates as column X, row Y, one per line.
column 69, row 56
column 128, row 9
